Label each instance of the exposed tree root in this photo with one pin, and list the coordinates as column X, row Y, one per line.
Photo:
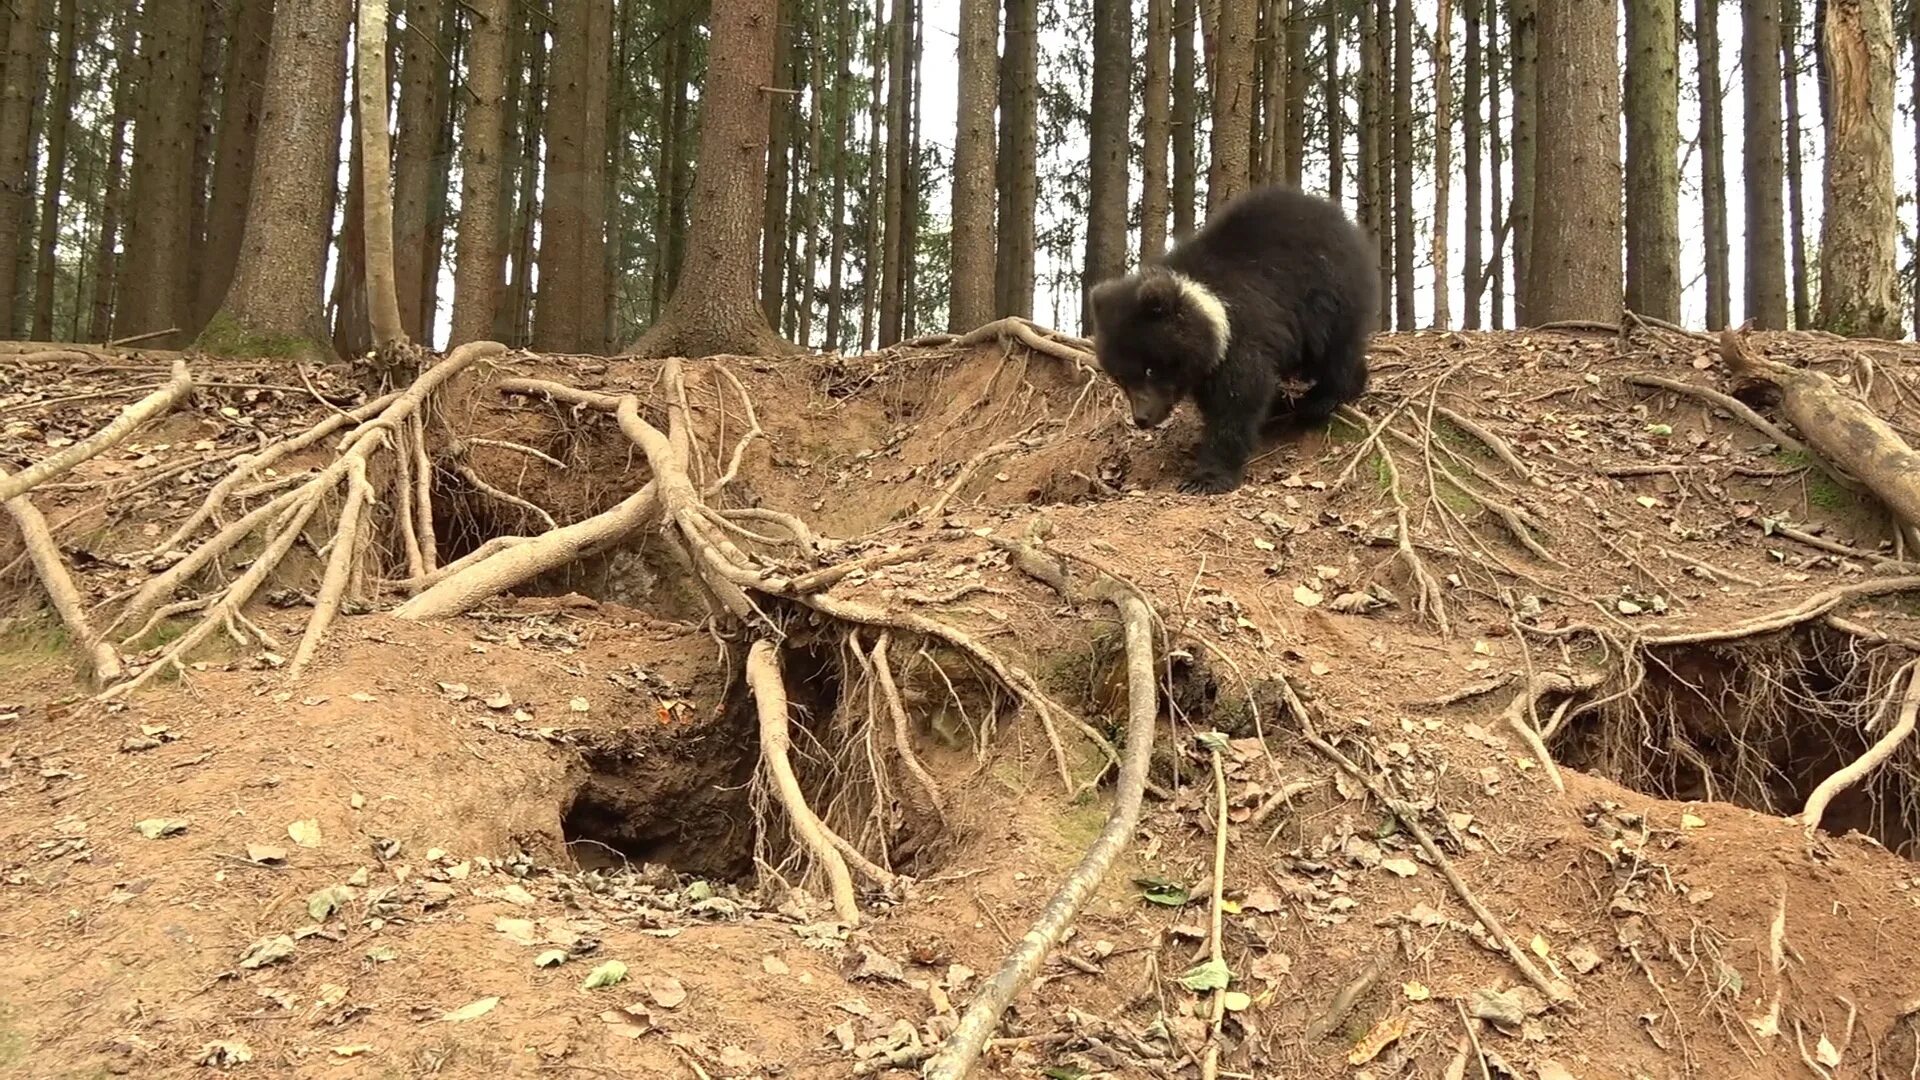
column 1806, row 610
column 52, row 570
column 902, row 733
column 770, row 703
column 1520, row 712
column 1216, row 909
column 963, row 1048
column 130, row 419
column 1880, row 751
column 1733, row 405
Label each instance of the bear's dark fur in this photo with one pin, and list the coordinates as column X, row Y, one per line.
column 1278, row 285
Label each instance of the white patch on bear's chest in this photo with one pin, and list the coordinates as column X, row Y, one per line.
column 1212, row 311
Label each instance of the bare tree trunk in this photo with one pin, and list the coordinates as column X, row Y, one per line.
column 58, row 118
column 1231, row 168
column 899, row 139
column 440, row 190
column 570, row 311
column 1713, row 165
column 517, row 315
column 352, row 323
column 1575, row 263
column 106, row 261
column 1766, row 256
column 1523, row 50
column 839, row 138
column 715, row 310
column 156, row 269
column 1186, row 122
column 418, row 114
column 1295, row 25
column 804, row 281
column 1376, row 142
column 1266, row 132
column 1498, row 212
column 1653, row 165
column 476, row 275
column 773, row 215
column 1403, row 296
column 1334, row 98
column 242, row 99
column 1107, row 171
column 16, row 113
column 1442, row 161
column 1156, row 130
column 370, row 92
column 1858, row 223
column 973, row 169
column 1796, row 176
column 276, row 298
column 916, row 188
column 1470, row 117
column 872, row 264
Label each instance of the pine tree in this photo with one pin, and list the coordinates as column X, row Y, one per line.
column 1442, row 160
column 1713, row 168
column 476, row 280
column 570, row 311
column 1653, row 165
column 157, row 267
column 1108, row 135
column 972, row 302
column 1230, row 168
column 1156, row 130
column 1764, row 169
column 1575, row 261
column 1472, row 132
column 1857, row 277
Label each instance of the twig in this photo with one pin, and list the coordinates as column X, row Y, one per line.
column 1880, row 751
column 770, row 702
column 518, row 448
column 1210, row 1061
column 1740, row 409
column 1710, row 569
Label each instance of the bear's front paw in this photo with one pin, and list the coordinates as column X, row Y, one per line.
column 1209, row 482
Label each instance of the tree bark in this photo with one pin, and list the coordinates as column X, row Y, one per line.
column 773, row 213
column 1470, row 117
column 1575, row 263
column 1185, row 127
column 1523, row 51
column 1297, row 28
column 972, row 302
column 59, row 111
column 418, row 115
column 1156, row 130
column 899, row 140
column 1442, row 161
column 1498, row 212
column 516, row 316
column 156, row 271
column 1107, row 171
column 370, row 95
column 840, row 128
column 873, row 242
column 1858, row 224
column 1376, row 142
column 1713, row 165
column 1403, row 165
column 715, row 309
column 242, row 101
column 570, row 310
column 1653, row 166
column 352, row 325
column 16, row 115
column 476, row 274
column 1796, row 176
column 1766, row 248
column 1230, row 170
column 276, row 296
column 1334, row 98
column 106, row 260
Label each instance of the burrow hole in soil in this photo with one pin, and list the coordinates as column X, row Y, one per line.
column 685, row 800
column 1761, row 724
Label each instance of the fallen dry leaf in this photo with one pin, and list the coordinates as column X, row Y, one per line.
column 472, row 1010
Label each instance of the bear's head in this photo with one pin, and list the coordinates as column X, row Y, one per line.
column 1158, row 334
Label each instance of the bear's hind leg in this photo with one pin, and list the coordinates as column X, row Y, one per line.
column 1343, row 378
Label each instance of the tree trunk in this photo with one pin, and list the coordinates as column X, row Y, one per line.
column 873, row 242
column 276, row 295
column 773, row 214
column 58, row 119
column 516, row 316
column 16, row 113
column 1858, row 223
column 1403, row 165
column 1268, row 139
column 1575, row 262
column 476, row 274
column 1653, row 166
column 1470, row 119
column 899, row 137
column 1766, row 249
column 418, row 114
column 1185, row 129
column 972, row 301
column 809, row 249
column 450, row 60
column 1713, row 165
column 1230, row 169
column 352, row 326
column 242, row 99
column 1442, row 161
column 1377, row 141
column 1334, row 98
column 570, row 310
column 1155, row 130
column 1913, row 32
column 370, row 99
column 156, row 269
column 1522, row 52
column 1295, row 24
column 1498, row 213
column 1107, row 171
column 1796, row 176
column 715, row 310
column 839, row 138
column 916, row 189
column 106, row 261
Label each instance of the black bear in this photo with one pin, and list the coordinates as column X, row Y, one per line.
column 1278, row 285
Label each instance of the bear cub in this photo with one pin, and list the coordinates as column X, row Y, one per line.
column 1278, row 285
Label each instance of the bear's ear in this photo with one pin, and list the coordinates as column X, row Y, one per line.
column 1159, row 295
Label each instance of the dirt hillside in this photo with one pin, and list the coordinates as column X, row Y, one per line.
column 1517, row 673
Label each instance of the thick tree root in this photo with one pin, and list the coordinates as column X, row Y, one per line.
column 770, row 703
column 131, row 418
column 1879, row 752
column 52, row 570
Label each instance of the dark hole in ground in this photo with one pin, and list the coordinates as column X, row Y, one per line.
column 1761, row 725
column 680, row 803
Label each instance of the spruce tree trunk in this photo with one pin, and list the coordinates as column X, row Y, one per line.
column 1018, row 164
column 1653, row 165
column 1575, row 262
column 1230, row 169
column 1334, row 98
column 1713, row 165
column 376, row 192
column 352, row 328
column 809, row 249
column 1796, row 175
column 1266, row 132
column 1403, row 165
column 1522, row 51
column 518, row 306
column 1297, row 27
column 715, row 310
column 1108, row 135
column 1185, row 128
column 1764, row 169
column 916, row 190
column 873, row 243
column 476, row 272
column 156, row 269
column 840, row 137
column 242, row 99
column 418, row 115
column 1442, row 161
column 1859, row 227
column 972, row 300
column 894, row 240
column 1156, row 130
column 59, row 110
column 276, row 294
column 1377, row 77
column 570, row 311
column 1499, row 214
column 773, row 215
column 1470, row 117
column 106, row 260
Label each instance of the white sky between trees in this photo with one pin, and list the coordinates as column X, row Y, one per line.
column 1060, row 306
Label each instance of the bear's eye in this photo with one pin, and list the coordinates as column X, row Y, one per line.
column 1148, row 373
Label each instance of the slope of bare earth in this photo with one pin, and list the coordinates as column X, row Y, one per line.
column 422, row 857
